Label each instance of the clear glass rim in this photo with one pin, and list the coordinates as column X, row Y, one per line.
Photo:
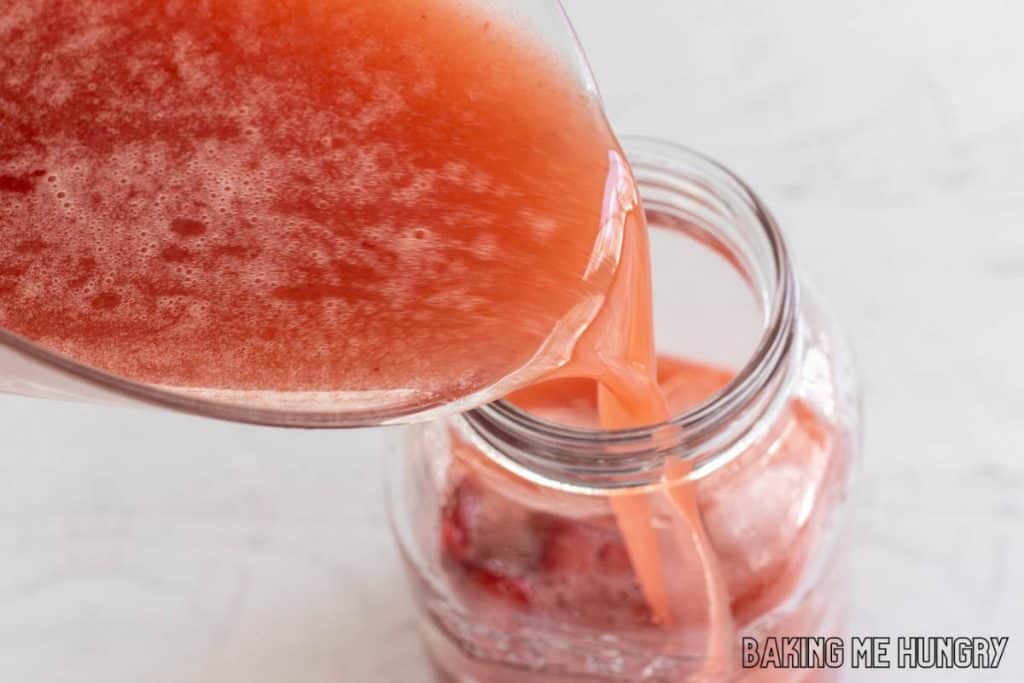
column 117, row 389
column 534, row 445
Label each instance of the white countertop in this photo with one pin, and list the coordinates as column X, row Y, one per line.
column 888, row 137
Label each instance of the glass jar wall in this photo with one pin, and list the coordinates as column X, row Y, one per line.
column 506, row 515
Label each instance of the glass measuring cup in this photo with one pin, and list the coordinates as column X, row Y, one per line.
column 28, row 366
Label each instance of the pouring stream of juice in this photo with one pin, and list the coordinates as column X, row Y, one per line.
column 376, row 207
column 618, row 351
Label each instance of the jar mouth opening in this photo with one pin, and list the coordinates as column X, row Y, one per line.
column 664, row 169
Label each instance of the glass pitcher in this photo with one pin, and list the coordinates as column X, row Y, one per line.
column 33, row 369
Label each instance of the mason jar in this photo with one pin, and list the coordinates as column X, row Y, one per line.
column 505, row 517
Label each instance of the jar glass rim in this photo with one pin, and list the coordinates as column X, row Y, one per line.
column 656, row 161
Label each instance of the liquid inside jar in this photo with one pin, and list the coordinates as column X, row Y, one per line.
column 514, row 551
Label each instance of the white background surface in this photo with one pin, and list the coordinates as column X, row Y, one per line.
column 888, row 137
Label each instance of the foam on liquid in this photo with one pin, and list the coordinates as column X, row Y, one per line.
column 295, row 195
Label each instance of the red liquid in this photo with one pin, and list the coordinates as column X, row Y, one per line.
column 590, row 553
column 513, row 550
column 295, row 196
